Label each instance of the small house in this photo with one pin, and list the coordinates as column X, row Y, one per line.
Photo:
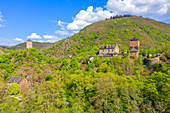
column 21, row 81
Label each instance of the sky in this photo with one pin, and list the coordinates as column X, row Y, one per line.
column 53, row 20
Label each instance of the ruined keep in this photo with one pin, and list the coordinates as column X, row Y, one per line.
column 108, row 50
column 134, row 47
column 29, row 44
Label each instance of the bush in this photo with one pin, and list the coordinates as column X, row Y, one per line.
column 102, row 67
column 74, row 63
column 90, row 67
column 147, row 62
column 49, row 77
column 14, row 88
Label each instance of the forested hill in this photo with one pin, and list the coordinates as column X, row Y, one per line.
column 37, row 45
column 52, row 84
column 152, row 34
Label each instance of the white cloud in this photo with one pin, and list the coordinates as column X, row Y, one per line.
column 77, row 25
column 46, row 38
column 52, row 41
column 2, row 20
column 62, row 32
column 42, row 41
column 82, row 19
column 1, row 25
column 86, row 17
column 46, row 41
column 34, row 36
column 51, row 38
column 1, row 17
column 18, row 40
column 151, row 8
column 60, row 23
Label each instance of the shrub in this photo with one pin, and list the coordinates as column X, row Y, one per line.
column 14, row 88
column 49, row 77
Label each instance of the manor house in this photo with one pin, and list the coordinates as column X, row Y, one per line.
column 108, row 50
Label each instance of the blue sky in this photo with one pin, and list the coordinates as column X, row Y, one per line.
column 52, row 20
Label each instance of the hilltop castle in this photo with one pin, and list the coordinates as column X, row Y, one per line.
column 29, row 44
column 112, row 50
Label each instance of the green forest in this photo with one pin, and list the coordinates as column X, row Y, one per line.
column 64, row 83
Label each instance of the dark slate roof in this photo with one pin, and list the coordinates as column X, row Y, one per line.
column 133, row 50
column 121, row 54
column 158, row 54
column 90, row 56
column 134, row 39
column 15, row 79
column 29, row 40
column 29, row 77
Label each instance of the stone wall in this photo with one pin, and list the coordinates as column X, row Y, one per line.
column 134, row 54
column 135, row 44
column 24, row 85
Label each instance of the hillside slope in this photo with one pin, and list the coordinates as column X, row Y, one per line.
column 1, row 52
column 37, row 45
column 152, row 34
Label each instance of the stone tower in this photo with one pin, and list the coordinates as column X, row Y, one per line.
column 29, row 44
column 134, row 47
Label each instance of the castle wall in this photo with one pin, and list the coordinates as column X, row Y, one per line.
column 135, row 44
column 134, row 54
column 23, row 85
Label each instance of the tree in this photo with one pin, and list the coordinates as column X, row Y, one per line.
column 90, row 66
column 14, row 88
column 40, row 57
column 147, row 62
column 105, row 96
column 102, row 67
column 49, row 77
column 74, row 63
